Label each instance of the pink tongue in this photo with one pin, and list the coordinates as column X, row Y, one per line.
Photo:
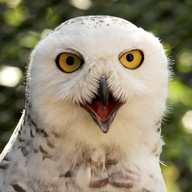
column 102, row 112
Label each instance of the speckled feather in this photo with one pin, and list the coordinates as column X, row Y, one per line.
column 57, row 147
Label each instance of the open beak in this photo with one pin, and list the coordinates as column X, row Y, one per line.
column 104, row 106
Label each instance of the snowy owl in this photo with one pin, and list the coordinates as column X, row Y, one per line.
column 95, row 96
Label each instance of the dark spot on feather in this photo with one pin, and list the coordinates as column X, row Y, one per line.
column 50, row 145
column 97, row 164
column 122, row 185
column 18, row 188
column 99, row 183
column 68, row 174
column 4, row 165
column 62, row 175
column 151, row 176
column 145, row 190
column 56, row 134
column 158, row 129
column 33, row 123
column 43, row 133
column 6, row 158
column 43, row 151
column 25, row 151
column 158, row 122
column 154, row 150
column 110, row 162
column 21, row 140
column 37, row 130
column 47, row 157
column 29, row 117
column 35, row 150
column 31, row 133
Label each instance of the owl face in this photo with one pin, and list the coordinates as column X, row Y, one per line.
column 100, row 66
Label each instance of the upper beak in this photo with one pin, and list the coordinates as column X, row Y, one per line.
column 103, row 90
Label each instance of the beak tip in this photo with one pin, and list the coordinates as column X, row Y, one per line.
column 105, row 132
column 104, row 103
column 104, row 126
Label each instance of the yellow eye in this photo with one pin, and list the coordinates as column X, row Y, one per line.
column 68, row 62
column 132, row 59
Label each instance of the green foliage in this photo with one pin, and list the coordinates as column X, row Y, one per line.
column 24, row 23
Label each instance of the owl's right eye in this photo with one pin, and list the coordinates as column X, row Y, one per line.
column 68, row 62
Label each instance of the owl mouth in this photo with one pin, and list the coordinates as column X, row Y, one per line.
column 103, row 106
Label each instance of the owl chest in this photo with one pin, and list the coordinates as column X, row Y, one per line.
column 109, row 175
column 97, row 176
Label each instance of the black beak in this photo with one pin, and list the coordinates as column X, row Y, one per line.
column 103, row 90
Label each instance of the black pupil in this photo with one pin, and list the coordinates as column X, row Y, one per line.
column 129, row 57
column 70, row 60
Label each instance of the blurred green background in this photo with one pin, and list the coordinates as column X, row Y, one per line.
column 24, row 23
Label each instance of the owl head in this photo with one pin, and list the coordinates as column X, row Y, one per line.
column 101, row 70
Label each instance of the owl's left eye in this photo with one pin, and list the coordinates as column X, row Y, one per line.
column 68, row 62
column 132, row 59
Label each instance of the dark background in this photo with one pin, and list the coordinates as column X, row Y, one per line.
column 24, row 23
